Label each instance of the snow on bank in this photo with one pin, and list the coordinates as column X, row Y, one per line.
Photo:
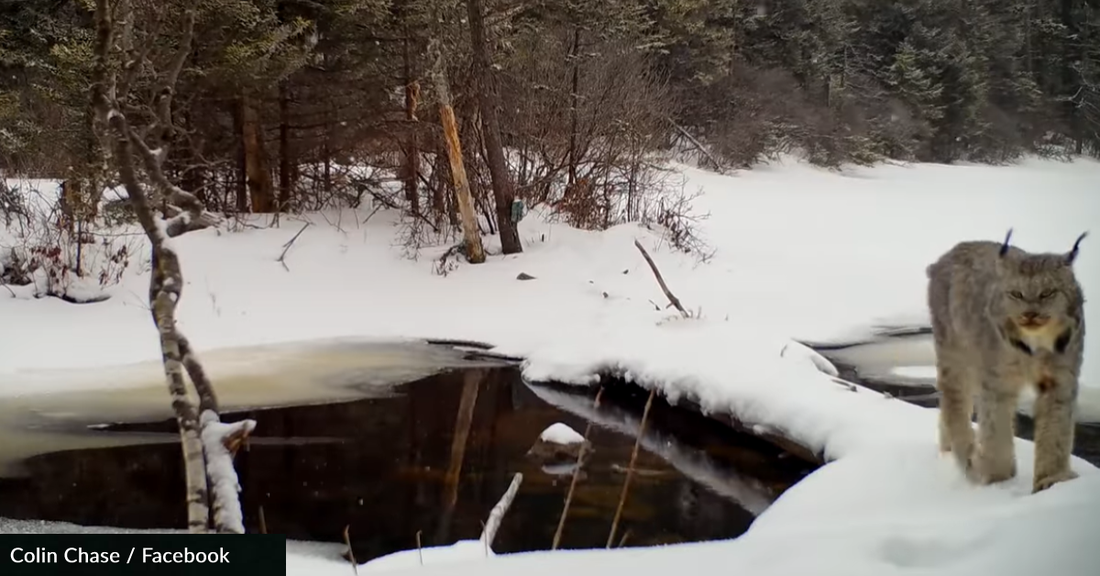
column 559, row 433
column 459, row 552
column 800, row 253
column 875, row 522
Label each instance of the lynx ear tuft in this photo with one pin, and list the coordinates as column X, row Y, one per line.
column 1073, row 253
column 1004, row 245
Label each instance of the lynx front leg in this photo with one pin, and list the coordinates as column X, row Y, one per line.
column 953, row 406
column 1054, row 431
column 956, row 408
column 996, row 454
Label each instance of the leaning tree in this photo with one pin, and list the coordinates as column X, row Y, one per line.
column 140, row 50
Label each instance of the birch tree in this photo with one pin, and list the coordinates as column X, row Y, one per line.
column 139, row 54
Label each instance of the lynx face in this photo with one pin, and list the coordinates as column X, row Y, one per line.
column 1038, row 301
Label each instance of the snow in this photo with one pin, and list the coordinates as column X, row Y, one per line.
column 801, row 253
column 457, row 553
column 916, row 372
column 801, row 351
column 560, row 433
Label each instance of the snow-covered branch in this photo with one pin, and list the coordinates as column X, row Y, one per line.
column 220, row 442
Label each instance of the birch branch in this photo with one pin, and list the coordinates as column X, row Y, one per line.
column 497, row 515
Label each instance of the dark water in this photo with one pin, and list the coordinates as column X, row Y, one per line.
column 390, row 467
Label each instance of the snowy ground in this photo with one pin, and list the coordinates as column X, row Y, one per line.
column 801, row 253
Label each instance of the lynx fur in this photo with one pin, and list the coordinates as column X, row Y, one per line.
column 1004, row 319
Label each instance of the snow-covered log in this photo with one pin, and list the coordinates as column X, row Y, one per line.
column 220, row 442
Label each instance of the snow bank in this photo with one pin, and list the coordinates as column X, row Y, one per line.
column 800, row 252
column 460, row 552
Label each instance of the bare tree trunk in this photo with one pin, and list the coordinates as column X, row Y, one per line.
column 195, row 179
column 475, row 252
column 284, row 147
column 412, row 151
column 503, row 190
column 241, row 182
column 574, row 96
column 439, row 192
column 260, row 187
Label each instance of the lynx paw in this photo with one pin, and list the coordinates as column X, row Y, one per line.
column 994, row 472
column 1048, row 481
column 969, row 466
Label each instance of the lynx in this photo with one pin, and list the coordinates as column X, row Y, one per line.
column 1004, row 319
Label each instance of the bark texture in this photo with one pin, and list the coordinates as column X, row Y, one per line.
column 488, row 102
column 475, row 252
column 261, row 189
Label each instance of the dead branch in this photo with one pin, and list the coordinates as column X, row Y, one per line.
column 630, row 470
column 497, row 515
column 282, row 257
column 698, row 145
column 475, row 252
column 576, row 474
column 672, row 299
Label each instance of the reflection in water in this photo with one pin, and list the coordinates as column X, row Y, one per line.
column 432, row 458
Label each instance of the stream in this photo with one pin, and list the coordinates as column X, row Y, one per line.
column 396, row 457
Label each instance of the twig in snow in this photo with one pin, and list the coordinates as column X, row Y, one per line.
column 851, row 387
column 372, row 213
column 9, row 290
column 630, row 470
column 497, row 515
column 623, row 541
column 672, row 299
column 442, row 266
column 351, row 553
column 282, row 257
column 698, row 145
column 419, row 547
column 576, row 474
